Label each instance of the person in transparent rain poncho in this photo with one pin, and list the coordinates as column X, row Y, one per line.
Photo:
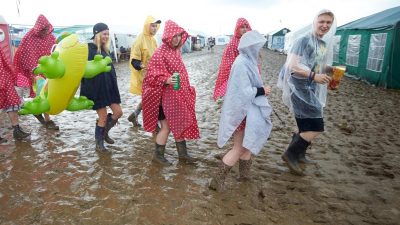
column 245, row 114
column 303, row 80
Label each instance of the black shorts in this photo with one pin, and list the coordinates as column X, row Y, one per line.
column 310, row 124
column 161, row 115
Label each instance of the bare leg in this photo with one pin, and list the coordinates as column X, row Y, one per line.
column 161, row 141
column 162, row 135
column 14, row 118
column 233, row 155
column 116, row 111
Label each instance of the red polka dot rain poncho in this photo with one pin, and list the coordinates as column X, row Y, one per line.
column 32, row 47
column 8, row 95
column 178, row 105
column 229, row 56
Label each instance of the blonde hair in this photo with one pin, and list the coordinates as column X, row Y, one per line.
column 328, row 13
column 97, row 42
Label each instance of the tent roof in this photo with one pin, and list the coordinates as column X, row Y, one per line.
column 300, row 31
column 274, row 32
column 71, row 29
column 381, row 20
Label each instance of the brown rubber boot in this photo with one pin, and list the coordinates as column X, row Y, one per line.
column 218, row 181
column 51, row 125
column 244, row 169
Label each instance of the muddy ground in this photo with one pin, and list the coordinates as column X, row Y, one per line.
column 57, row 177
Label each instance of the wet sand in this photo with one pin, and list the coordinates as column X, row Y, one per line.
column 58, row 178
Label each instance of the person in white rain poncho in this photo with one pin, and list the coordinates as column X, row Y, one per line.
column 304, row 80
column 245, row 111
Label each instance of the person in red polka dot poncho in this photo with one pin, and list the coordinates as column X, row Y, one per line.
column 175, row 109
column 228, row 57
column 35, row 44
column 9, row 99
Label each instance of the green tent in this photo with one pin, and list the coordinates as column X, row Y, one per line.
column 370, row 48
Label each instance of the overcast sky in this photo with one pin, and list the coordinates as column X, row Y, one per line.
column 210, row 17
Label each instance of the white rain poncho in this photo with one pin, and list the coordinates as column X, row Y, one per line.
column 306, row 98
column 240, row 101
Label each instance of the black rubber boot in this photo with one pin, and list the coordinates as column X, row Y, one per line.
column 302, row 157
column 109, row 124
column 40, row 118
column 183, row 154
column 19, row 134
column 158, row 155
column 99, row 135
column 218, row 181
column 244, row 169
column 292, row 153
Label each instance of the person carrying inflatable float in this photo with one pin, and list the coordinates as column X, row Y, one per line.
column 64, row 69
column 103, row 89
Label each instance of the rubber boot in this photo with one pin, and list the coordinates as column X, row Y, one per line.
column 40, row 118
column 183, row 154
column 109, row 124
column 302, row 156
column 51, row 125
column 291, row 155
column 99, row 136
column 158, row 155
column 244, row 169
column 19, row 134
column 133, row 118
column 217, row 183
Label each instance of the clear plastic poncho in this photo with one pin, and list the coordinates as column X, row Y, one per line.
column 240, row 101
column 306, row 98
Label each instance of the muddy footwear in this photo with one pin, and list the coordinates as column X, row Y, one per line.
column 221, row 155
column 99, row 135
column 158, row 155
column 183, row 154
column 133, row 118
column 302, row 156
column 40, row 118
column 291, row 155
column 110, row 124
column 244, row 170
column 2, row 140
column 19, row 134
column 217, row 183
column 51, row 125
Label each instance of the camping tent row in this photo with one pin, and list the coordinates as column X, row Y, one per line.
column 276, row 39
column 370, row 48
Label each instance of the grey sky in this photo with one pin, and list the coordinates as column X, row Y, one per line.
column 211, row 17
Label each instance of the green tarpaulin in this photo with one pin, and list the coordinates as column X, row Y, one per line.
column 370, row 48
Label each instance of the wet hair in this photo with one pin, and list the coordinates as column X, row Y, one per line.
column 97, row 42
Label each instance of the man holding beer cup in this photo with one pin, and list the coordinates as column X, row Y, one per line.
column 304, row 80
